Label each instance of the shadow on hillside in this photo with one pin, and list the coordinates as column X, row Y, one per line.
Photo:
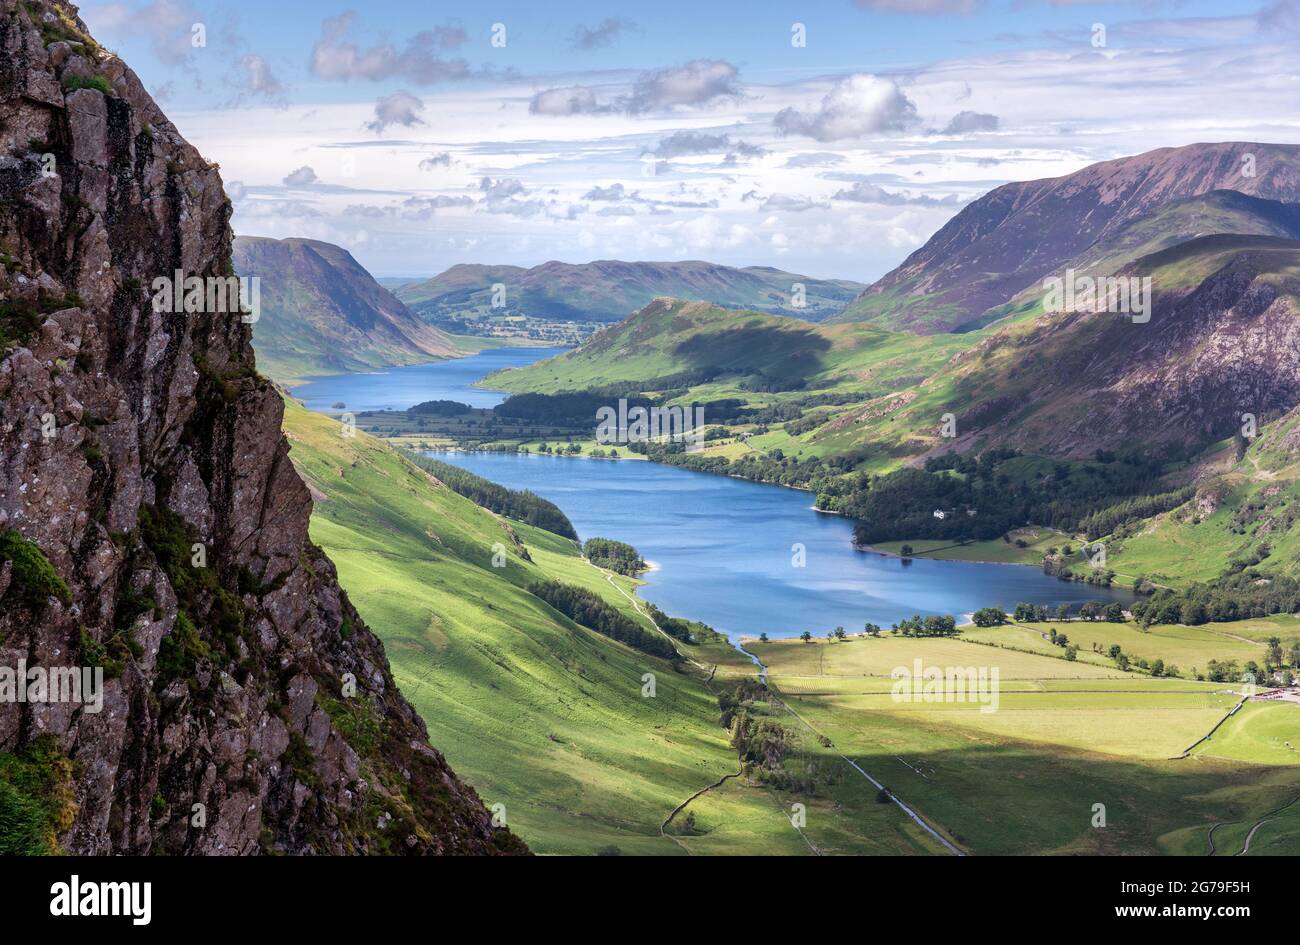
column 758, row 349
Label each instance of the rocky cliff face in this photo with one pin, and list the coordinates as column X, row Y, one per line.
column 152, row 524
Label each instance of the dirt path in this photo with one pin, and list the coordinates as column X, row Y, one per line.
column 1268, row 818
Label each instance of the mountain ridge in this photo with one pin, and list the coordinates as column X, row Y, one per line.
column 609, row 289
column 323, row 313
column 1016, row 234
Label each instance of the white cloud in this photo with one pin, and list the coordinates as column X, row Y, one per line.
column 400, row 108
column 970, row 122
column 304, row 176
column 857, row 106
column 699, row 82
column 575, row 100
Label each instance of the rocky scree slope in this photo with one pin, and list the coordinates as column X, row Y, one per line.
column 128, row 438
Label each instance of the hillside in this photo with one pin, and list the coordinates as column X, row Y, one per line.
column 1017, row 234
column 1223, row 340
column 158, row 531
column 608, row 290
column 323, row 313
column 538, row 713
column 717, row 348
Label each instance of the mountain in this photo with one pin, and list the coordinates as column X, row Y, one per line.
column 608, row 290
column 1014, row 236
column 1223, row 340
column 323, row 313
column 152, row 524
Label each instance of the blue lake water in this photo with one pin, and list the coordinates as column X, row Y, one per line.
column 399, row 388
column 725, row 548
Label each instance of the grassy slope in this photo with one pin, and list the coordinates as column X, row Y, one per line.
column 535, row 712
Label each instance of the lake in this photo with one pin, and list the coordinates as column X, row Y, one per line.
column 725, row 549
column 399, row 388
column 726, row 553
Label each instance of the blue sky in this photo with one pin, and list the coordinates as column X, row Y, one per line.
column 684, row 130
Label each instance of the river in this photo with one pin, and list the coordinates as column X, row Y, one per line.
column 743, row 557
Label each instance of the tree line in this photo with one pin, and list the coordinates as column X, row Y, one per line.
column 521, row 505
column 587, row 608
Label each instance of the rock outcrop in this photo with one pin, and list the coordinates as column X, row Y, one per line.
column 152, row 524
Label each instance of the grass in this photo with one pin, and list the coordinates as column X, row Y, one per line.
column 1024, row 779
column 1187, row 648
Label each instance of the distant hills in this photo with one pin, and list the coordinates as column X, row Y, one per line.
column 961, row 327
column 323, row 313
column 1015, row 235
column 610, row 290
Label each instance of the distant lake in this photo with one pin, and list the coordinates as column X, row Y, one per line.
column 400, row 388
column 723, row 548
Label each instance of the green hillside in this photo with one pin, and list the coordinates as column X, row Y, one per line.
column 535, row 712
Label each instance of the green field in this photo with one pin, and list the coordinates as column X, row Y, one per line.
column 1025, row 777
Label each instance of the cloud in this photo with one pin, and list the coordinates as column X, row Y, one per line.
column 865, row 192
column 335, row 56
column 501, row 188
column 235, row 189
column 697, row 142
column 304, row 176
column 400, row 108
column 920, row 7
column 699, row 82
column 970, row 122
column 259, row 79
column 616, row 212
column 574, row 100
column 793, row 203
column 603, row 34
column 857, row 106
column 439, row 159
column 612, row 192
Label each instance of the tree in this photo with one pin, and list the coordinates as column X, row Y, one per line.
column 839, row 633
column 871, row 629
column 1158, row 668
column 806, row 637
column 905, row 551
column 989, row 617
column 762, row 638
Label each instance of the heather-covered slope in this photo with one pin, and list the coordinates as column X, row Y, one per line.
column 609, row 290
column 154, row 526
column 1015, row 235
column 323, row 313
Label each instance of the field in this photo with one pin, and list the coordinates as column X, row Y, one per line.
column 1025, row 778
column 1186, row 648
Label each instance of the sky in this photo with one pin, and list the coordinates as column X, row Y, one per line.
column 825, row 137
